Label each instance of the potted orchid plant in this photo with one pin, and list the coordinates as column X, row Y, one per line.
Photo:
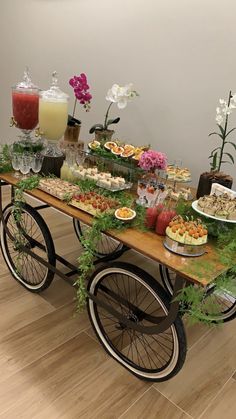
column 121, row 96
column 83, row 96
column 219, row 155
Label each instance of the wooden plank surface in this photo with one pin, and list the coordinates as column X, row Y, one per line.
column 202, row 270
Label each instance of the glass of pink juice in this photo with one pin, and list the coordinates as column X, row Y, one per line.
column 25, row 109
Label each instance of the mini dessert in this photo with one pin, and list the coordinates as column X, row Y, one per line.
column 94, row 203
column 128, row 151
column 109, row 145
column 58, row 188
column 117, row 150
column 187, row 232
column 220, row 206
column 93, row 145
column 178, row 174
column 121, row 180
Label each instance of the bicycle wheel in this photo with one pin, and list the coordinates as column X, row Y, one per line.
column 135, row 294
column 106, row 246
column 35, row 234
column 226, row 302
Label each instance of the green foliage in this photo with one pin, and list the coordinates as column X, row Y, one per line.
column 5, row 160
column 93, row 235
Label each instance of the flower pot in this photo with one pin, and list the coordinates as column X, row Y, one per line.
column 103, row 136
column 207, row 178
column 72, row 133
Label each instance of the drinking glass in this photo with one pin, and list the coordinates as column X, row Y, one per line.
column 141, row 191
column 37, row 162
column 15, row 161
column 151, row 193
column 25, row 164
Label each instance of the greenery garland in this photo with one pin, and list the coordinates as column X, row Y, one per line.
column 193, row 299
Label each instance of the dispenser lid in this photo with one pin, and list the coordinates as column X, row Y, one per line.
column 26, row 83
column 54, row 93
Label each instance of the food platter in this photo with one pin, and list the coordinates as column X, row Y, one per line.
column 195, row 207
column 125, row 214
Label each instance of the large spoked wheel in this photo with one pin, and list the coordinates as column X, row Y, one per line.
column 226, row 301
column 35, row 235
column 135, row 294
column 106, row 246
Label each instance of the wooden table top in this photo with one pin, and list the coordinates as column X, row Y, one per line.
column 202, row 270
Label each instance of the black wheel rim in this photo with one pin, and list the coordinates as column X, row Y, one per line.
column 147, row 353
column 28, row 269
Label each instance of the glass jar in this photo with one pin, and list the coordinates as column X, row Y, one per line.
column 53, row 111
column 25, row 104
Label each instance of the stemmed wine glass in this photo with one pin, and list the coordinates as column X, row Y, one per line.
column 37, row 162
column 141, row 191
column 25, row 164
column 151, row 193
column 15, row 161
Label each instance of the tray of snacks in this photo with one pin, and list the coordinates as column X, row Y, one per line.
column 118, row 148
column 178, row 174
column 219, row 205
column 179, row 193
column 102, row 179
column 58, row 188
column 186, row 237
column 93, row 203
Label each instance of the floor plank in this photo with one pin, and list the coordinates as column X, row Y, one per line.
column 38, row 385
column 33, row 341
column 224, row 406
column 21, row 311
column 209, row 365
column 105, row 393
column 153, row 405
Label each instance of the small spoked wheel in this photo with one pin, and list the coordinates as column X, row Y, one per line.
column 32, row 232
column 107, row 246
column 139, row 298
column 225, row 301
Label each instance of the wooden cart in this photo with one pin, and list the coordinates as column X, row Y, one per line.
column 135, row 318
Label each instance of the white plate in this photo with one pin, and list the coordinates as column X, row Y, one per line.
column 125, row 219
column 195, row 207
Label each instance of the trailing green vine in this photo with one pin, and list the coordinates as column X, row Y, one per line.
column 93, row 235
column 194, row 301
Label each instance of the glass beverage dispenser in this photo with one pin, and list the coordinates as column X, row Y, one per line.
column 53, row 115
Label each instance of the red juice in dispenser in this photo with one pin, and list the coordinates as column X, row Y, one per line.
column 25, row 108
column 25, row 104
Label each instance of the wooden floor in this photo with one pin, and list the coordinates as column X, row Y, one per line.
column 51, row 365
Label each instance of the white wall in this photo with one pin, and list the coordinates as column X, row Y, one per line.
column 180, row 54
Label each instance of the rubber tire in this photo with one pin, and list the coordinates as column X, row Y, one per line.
column 152, row 284
column 164, row 274
column 79, row 233
column 48, row 242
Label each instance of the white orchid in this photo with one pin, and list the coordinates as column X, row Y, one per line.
column 121, row 95
column 225, row 109
column 218, row 155
column 116, row 94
